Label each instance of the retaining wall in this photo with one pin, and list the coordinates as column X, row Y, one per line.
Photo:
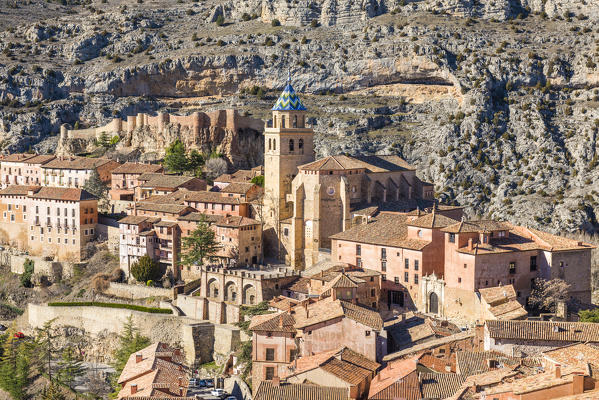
column 52, row 269
column 199, row 339
column 137, row 291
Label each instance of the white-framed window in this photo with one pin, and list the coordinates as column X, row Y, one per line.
column 85, row 232
column 49, row 240
column 91, row 231
column 4, row 214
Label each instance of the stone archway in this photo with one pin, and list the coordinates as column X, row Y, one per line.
column 433, row 303
column 249, row 294
column 231, row 291
column 212, row 288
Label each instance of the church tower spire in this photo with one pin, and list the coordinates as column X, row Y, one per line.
column 288, row 143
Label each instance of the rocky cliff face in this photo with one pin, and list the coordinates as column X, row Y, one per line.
column 495, row 101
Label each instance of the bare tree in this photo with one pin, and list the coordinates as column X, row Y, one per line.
column 547, row 293
column 215, row 167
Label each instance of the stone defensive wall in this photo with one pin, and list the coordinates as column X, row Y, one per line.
column 227, row 119
column 199, row 339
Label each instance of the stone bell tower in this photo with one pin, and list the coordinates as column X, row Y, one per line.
column 288, row 143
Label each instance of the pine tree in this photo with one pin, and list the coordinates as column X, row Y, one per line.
column 45, row 347
column 130, row 341
column 175, row 159
column 95, row 186
column 145, row 269
column 52, row 392
column 104, row 140
column 14, row 368
column 69, row 367
column 200, row 244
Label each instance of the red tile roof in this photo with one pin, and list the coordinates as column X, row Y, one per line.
column 302, row 391
column 63, row 194
column 137, row 168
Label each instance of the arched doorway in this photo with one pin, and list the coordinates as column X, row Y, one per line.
column 433, row 303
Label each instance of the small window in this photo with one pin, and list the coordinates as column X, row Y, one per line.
column 384, row 266
column 459, row 280
column 406, row 277
column 512, row 267
column 533, row 263
column 416, row 264
column 407, row 263
column 452, row 238
column 291, row 145
column 367, row 333
column 383, row 277
column 372, row 292
column 396, row 280
column 383, row 253
column 358, row 250
column 416, row 279
column 270, row 354
column 269, row 373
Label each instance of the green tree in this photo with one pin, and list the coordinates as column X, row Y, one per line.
column 115, row 139
column 28, row 267
column 14, row 368
column 69, row 367
column 145, row 269
column 175, row 159
column 95, row 186
column 589, row 315
column 220, row 20
column 45, row 347
column 52, row 392
column 258, row 180
column 130, row 341
column 200, row 244
column 104, row 140
column 195, row 160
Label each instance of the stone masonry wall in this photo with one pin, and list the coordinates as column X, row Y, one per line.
column 137, row 291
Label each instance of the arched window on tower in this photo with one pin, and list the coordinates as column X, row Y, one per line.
column 275, row 121
column 295, row 121
column 282, row 121
column 300, row 146
column 269, row 144
column 274, row 144
column 291, row 145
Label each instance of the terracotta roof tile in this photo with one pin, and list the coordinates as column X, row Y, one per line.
column 386, row 229
column 497, row 294
column 18, row 190
column 137, row 219
column 576, row 355
column 432, row 220
column 165, row 208
column 200, row 196
column 466, row 335
column 76, row 163
column 276, row 322
column 238, row 188
column 151, row 180
column 544, row 330
column 40, row 159
column 393, row 373
column 137, row 168
column 440, row 386
column 368, row 163
column 63, row 194
column 300, row 285
column 478, row 226
column 302, row 391
column 477, row 362
column 509, row 310
column 17, row 157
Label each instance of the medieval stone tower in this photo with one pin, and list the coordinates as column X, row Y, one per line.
column 288, row 144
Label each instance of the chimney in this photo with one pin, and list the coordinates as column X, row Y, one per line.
column 138, row 358
column 306, row 308
column 579, row 244
column 281, row 321
column 578, row 383
column 470, row 244
column 276, row 381
column 134, row 388
column 558, row 371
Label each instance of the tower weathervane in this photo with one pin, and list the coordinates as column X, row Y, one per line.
column 288, row 74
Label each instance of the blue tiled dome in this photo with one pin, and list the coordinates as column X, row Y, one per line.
column 288, row 100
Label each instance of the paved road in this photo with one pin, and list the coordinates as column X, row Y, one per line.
column 202, row 393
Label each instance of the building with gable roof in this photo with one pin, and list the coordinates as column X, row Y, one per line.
column 308, row 328
column 157, row 371
column 307, row 200
column 23, row 169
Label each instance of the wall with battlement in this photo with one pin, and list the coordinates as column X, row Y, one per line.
column 227, row 119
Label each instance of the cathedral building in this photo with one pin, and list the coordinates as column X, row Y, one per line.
column 308, row 200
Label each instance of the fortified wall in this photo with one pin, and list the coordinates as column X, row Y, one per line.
column 237, row 137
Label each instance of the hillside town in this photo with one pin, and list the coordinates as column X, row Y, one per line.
column 333, row 278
